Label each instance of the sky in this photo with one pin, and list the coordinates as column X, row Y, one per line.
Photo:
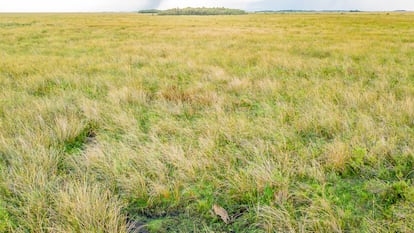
column 250, row 5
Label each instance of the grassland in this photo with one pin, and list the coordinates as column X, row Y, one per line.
column 202, row 11
column 290, row 122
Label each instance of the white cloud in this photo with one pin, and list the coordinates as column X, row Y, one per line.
column 75, row 5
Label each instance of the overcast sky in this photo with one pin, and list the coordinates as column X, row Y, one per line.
column 132, row 5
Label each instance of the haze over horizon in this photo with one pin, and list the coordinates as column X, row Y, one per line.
column 249, row 5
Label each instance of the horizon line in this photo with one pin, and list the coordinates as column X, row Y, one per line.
column 249, row 11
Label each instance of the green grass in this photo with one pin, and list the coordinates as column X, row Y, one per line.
column 291, row 122
column 5, row 222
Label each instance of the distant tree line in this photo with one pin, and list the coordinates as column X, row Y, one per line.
column 196, row 11
column 304, row 11
column 149, row 11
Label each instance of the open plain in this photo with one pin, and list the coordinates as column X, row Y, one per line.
column 283, row 122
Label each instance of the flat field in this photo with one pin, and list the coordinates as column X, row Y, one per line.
column 289, row 122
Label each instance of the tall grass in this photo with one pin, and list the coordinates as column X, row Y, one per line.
column 290, row 122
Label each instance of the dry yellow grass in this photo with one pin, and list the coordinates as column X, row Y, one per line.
column 290, row 122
